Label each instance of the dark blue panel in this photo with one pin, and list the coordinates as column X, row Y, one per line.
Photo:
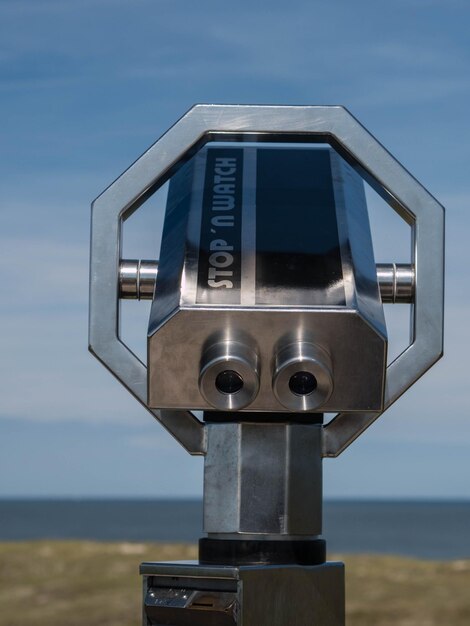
column 298, row 258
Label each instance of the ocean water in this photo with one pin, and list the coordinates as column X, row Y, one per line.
column 431, row 530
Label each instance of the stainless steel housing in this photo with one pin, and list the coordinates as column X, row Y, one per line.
column 271, row 307
column 397, row 282
column 137, row 279
column 263, row 480
column 303, row 123
column 187, row 594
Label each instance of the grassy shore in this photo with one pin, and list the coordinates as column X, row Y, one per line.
column 52, row 583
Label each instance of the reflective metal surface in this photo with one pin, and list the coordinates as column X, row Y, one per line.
column 137, row 279
column 263, row 479
column 397, row 282
column 189, row 594
column 342, row 333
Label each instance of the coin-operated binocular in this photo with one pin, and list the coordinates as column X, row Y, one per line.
column 267, row 312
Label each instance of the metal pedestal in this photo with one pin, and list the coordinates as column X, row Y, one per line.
column 267, row 302
column 190, row 594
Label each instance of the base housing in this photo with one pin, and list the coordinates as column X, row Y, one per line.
column 190, row 594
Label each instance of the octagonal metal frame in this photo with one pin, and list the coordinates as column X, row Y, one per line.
column 332, row 124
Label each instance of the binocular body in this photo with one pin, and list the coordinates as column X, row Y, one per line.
column 267, row 289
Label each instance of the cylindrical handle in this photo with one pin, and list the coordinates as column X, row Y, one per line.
column 396, row 282
column 137, row 281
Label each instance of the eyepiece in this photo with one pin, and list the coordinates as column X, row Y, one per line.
column 302, row 378
column 229, row 382
column 229, row 378
column 302, row 383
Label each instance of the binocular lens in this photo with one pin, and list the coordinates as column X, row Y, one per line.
column 302, row 377
column 229, row 381
column 302, row 383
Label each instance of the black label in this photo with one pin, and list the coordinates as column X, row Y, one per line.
column 219, row 267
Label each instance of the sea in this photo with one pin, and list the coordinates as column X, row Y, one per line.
column 429, row 530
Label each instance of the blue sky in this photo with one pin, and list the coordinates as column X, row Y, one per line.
column 85, row 88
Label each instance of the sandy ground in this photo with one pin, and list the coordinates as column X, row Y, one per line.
column 65, row 583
